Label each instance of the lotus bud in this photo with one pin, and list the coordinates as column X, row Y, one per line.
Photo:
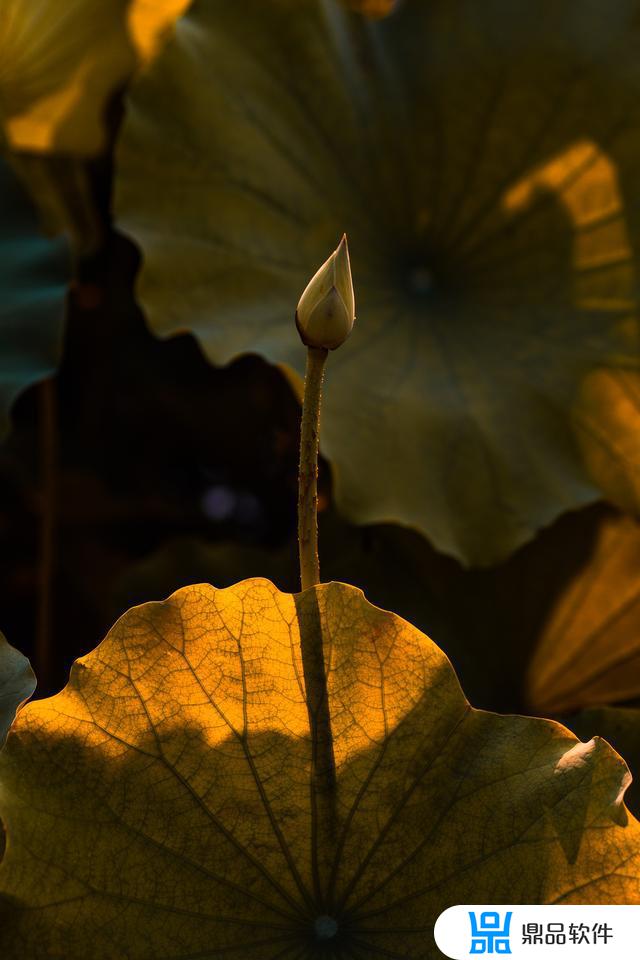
column 326, row 310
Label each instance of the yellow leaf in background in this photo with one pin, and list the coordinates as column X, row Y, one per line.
column 589, row 650
column 61, row 62
column 180, row 798
column 607, row 419
column 149, row 21
column 373, row 8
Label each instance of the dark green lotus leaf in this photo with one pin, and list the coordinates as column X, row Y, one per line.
column 33, row 276
column 17, row 683
column 481, row 158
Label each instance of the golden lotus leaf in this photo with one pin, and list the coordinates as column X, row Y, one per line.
column 249, row 773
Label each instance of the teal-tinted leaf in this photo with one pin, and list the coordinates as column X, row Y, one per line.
column 17, row 683
column 33, row 276
column 478, row 156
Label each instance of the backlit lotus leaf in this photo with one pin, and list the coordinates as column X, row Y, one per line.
column 248, row 773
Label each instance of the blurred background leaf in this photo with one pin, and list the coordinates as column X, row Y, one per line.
column 61, row 71
column 589, row 650
column 373, row 8
column 474, row 155
column 17, row 683
column 59, row 66
column 607, row 417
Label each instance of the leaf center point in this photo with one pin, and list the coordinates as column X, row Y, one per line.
column 421, row 280
column 325, row 927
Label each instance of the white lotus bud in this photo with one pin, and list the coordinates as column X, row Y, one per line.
column 326, row 310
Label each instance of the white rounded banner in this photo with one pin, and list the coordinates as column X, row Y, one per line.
column 590, row 932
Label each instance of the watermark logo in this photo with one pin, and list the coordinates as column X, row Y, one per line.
column 480, row 931
column 490, row 932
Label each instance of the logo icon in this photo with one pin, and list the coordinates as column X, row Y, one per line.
column 489, row 934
